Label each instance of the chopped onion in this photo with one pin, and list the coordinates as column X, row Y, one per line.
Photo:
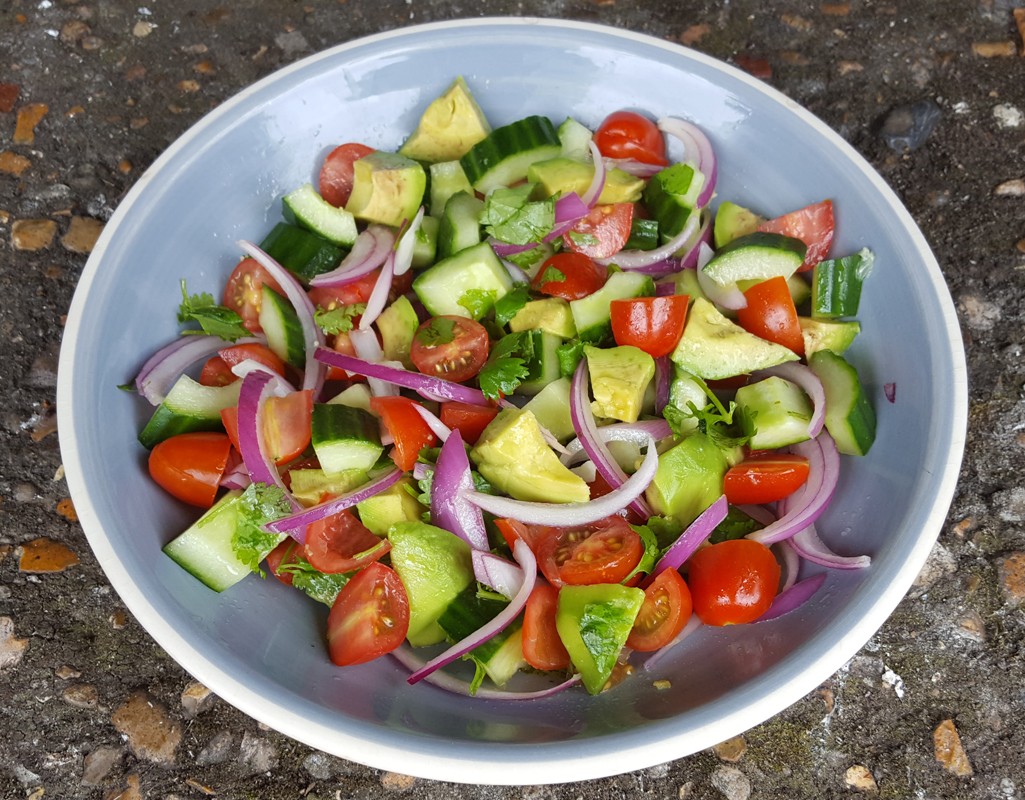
column 698, row 148
column 297, row 522
column 593, row 192
column 690, row 540
column 793, row 597
column 235, row 476
column 569, row 210
column 503, row 249
column 449, row 507
column 570, row 515
column 791, row 563
column 406, row 243
column 368, row 252
column 449, row 683
column 500, row 574
column 592, row 443
column 810, row 547
column 525, row 558
column 379, row 295
column 692, row 625
column 806, row 505
column 279, row 386
column 729, row 296
column 257, row 386
column 367, row 347
column 636, row 432
column 586, row 471
column 438, row 428
column 313, row 337
column 704, row 237
column 640, row 259
column 812, row 386
column 890, row 392
column 639, row 169
column 517, row 274
column 163, row 368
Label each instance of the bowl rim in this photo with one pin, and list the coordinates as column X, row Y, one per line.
column 489, row 763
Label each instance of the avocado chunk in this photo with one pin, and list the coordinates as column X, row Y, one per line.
column 310, row 485
column 712, row 347
column 820, row 334
column 514, row 457
column 619, row 379
column 594, row 623
column 387, row 188
column 434, row 566
column 397, row 324
column 397, row 503
column 551, row 407
column 550, row 314
column 563, row 175
column 689, row 478
column 449, row 126
column 732, row 222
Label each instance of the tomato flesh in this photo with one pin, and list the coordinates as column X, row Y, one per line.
column 765, row 478
column 282, row 556
column 542, row 647
column 732, row 582
column 667, row 608
column 336, row 173
column 286, row 425
column 606, row 551
column 341, row 543
column 626, row 134
column 812, row 224
column 653, row 324
column 450, row 347
column 603, row 232
column 570, row 276
column 407, row 428
column 243, row 291
column 369, row 618
column 468, row 419
column 189, row 466
column 770, row 314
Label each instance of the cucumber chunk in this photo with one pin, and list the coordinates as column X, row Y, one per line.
column 774, row 412
column 756, row 257
column 592, row 314
column 301, row 252
column 189, row 406
column 503, row 158
column 281, row 326
column 307, row 208
column 466, row 284
column 345, row 438
column 204, row 549
column 850, row 418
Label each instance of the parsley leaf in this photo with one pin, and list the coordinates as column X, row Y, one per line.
column 437, row 332
column 258, row 505
column 582, row 239
column 714, row 420
column 506, row 368
column 321, row 586
column 477, row 301
column 213, row 319
column 510, row 215
column 338, row 320
column 569, row 355
column 651, row 551
column 509, row 305
column 552, row 275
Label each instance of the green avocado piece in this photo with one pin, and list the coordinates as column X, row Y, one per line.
column 733, row 221
column 310, row 485
column 594, row 623
column 563, row 175
column 397, row 503
column 619, row 379
column 449, row 126
column 551, row 408
column 712, row 347
column 434, row 566
column 513, row 456
column 397, row 324
column 689, row 478
column 387, row 188
column 820, row 334
column 550, row 314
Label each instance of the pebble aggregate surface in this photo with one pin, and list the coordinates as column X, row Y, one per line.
column 931, row 92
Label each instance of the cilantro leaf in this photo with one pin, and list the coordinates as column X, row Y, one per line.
column 582, row 239
column 507, row 367
column 510, row 215
column 438, row 331
column 477, row 301
column 510, row 304
column 213, row 319
column 714, row 420
column 569, row 355
column 321, row 586
column 552, row 275
column 651, row 551
column 338, row 320
column 528, row 258
column 258, row 505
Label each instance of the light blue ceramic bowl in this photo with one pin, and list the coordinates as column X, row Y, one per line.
column 259, row 646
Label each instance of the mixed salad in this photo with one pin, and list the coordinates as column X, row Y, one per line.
column 517, row 396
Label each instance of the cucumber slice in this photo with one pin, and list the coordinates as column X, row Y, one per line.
column 550, row 407
column 575, row 139
column 447, row 178
column 345, row 438
column 459, row 227
column 643, row 235
column 281, row 326
column 205, row 550
column 189, row 406
column 302, row 252
column 307, row 208
column 671, row 195
column 591, row 314
column 502, row 159
column 774, row 412
column 544, row 366
column 836, row 285
column 756, row 257
column 425, row 243
column 501, row 656
column 850, row 418
column 466, row 284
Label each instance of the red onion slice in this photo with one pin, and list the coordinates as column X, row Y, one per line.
column 379, row 294
column 569, row 210
column 591, row 441
column 165, row 366
column 811, row 548
column 690, row 540
column 697, row 148
column 517, row 274
column 638, row 259
column 368, row 252
column 449, row 508
column 693, row 624
column 794, row 597
column 313, row 337
column 279, row 386
column 296, row 523
column 663, row 381
column 593, row 192
column 367, row 347
column 725, row 296
column 503, row 249
column 502, row 575
column 257, row 386
column 407, row 241
column 525, row 558
column 438, row 428
column 791, row 563
column 890, row 392
column 639, row 169
column 571, row 515
column 636, row 432
column 704, row 237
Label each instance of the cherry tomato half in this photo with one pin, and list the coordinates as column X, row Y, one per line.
column 603, row 232
column 243, row 295
column 732, row 582
column 408, row 429
column 341, row 543
column 450, row 347
column 603, row 552
column 542, row 647
column 286, row 424
column 337, row 171
column 285, row 554
column 570, row 276
column 468, row 419
column 190, row 465
column 666, row 609
column 770, row 314
column 654, row 324
column 626, row 134
column 370, row 616
column 812, row 224
column 765, row 478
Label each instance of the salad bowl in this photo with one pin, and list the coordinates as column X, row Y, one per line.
column 260, row 646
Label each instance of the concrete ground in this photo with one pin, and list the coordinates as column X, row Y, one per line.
column 91, row 91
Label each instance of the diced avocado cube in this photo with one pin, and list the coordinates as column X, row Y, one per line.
column 387, row 188
column 310, row 485
column 619, row 379
column 820, row 334
column 449, row 126
column 564, row 175
column 397, row 503
column 689, row 478
column 733, row 221
column 397, row 324
column 550, row 314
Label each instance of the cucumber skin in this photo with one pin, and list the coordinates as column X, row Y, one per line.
column 188, row 407
column 850, row 417
column 338, row 431
column 204, row 549
column 504, row 156
column 301, row 252
column 281, row 326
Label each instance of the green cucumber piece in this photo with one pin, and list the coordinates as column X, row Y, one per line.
column 281, row 326
column 543, row 367
column 670, row 197
column 850, row 418
column 756, row 257
column 643, row 235
column 307, row 208
column 425, row 243
column 575, row 139
column 459, row 226
column 774, row 412
column 301, row 252
column 447, row 179
column 466, row 284
column 503, row 157
column 550, row 407
column 189, row 406
column 836, row 285
column 345, row 438
column 592, row 314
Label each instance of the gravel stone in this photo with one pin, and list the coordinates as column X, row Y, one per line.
column 732, row 783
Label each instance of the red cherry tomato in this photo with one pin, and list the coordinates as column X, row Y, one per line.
column 732, row 582
column 468, row 419
column 370, row 616
column 667, row 607
column 281, row 557
column 542, row 647
column 337, row 171
column 216, row 372
column 765, row 478
column 569, row 276
column 603, row 232
column 341, row 543
column 812, row 224
column 242, row 293
column 533, row 535
column 603, row 552
column 286, row 425
column 770, row 313
column 450, row 347
column 407, row 428
column 625, row 134
column 654, row 324
column 190, row 465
